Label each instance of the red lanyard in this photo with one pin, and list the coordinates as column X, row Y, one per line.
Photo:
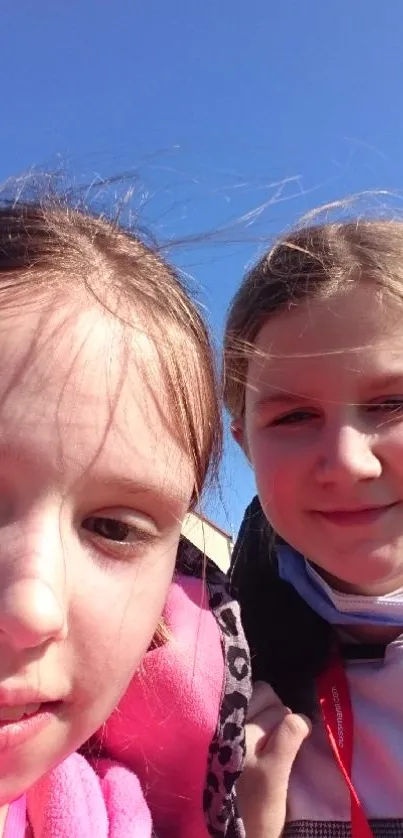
column 337, row 715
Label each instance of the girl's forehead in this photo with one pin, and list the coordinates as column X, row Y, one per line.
column 75, row 385
column 74, row 348
column 347, row 322
column 323, row 346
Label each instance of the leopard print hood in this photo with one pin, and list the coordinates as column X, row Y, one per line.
column 180, row 725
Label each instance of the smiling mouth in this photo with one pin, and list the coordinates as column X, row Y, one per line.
column 355, row 517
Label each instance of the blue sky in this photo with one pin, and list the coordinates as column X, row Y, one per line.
column 212, row 105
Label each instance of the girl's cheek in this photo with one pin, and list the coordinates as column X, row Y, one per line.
column 278, row 456
column 393, row 436
column 389, row 447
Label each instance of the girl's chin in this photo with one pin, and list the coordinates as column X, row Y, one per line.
column 365, row 584
column 373, row 574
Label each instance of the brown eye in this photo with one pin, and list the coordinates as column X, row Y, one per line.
column 294, row 418
column 109, row 528
column 393, row 405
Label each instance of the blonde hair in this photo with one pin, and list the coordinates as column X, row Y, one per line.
column 310, row 262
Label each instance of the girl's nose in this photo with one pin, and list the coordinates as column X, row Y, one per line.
column 31, row 613
column 348, row 454
column 33, row 592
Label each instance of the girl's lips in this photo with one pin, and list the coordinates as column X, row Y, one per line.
column 356, row 517
column 16, row 733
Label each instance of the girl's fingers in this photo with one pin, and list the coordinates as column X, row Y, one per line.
column 260, row 729
column 282, row 744
column 263, row 785
column 263, row 698
column 274, row 736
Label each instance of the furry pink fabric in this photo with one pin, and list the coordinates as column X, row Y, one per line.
column 75, row 801
column 16, row 819
column 164, row 725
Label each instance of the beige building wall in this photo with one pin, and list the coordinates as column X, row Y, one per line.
column 210, row 539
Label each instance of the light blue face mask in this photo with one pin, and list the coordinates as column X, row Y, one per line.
column 335, row 607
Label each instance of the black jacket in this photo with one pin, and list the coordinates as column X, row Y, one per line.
column 289, row 643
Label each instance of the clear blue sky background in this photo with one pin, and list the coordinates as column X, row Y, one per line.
column 211, row 103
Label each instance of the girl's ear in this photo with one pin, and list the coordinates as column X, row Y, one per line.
column 238, row 433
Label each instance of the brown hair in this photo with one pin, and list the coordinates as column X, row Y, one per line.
column 310, row 262
column 47, row 243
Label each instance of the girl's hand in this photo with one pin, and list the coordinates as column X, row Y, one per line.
column 274, row 736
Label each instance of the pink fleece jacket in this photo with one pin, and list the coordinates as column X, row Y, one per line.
column 166, row 721
column 180, row 726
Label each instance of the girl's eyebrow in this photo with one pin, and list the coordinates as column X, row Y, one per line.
column 128, row 484
column 277, row 397
column 130, row 487
column 388, row 380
